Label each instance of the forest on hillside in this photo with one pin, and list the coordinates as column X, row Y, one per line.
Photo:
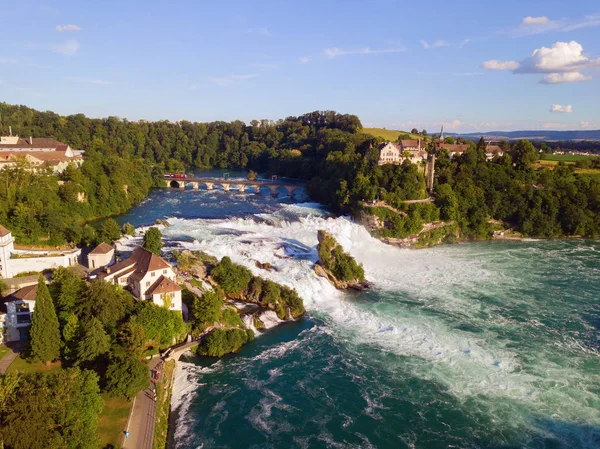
column 124, row 159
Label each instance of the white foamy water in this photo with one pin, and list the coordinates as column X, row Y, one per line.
column 468, row 364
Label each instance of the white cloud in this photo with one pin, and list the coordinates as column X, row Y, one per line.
column 560, row 108
column 543, row 20
column 467, row 73
column 560, row 78
column 494, row 64
column 335, row 52
column 260, row 30
column 232, row 79
column 442, row 43
column 9, row 61
column 61, row 28
column 69, row 48
column 84, row 80
column 585, row 124
column 555, row 125
column 266, row 66
column 453, row 124
column 561, row 57
column 539, row 25
column 304, row 59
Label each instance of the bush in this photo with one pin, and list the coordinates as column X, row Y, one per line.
column 126, row 376
column 335, row 259
column 230, row 318
column 221, row 342
column 233, row 278
column 160, row 325
column 206, row 309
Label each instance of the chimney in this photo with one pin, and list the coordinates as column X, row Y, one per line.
column 30, row 140
column 10, row 131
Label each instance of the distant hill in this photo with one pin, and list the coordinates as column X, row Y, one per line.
column 548, row 136
column 388, row 134
column 545, row 135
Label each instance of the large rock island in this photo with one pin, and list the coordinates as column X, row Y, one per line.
column 337, row 266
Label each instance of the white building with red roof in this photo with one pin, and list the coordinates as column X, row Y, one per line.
column 396, row 153
column 148, row 277
column 41, row 153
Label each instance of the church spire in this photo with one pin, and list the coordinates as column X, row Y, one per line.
column 442, row 137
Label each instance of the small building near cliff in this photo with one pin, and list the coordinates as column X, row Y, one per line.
column 101, row 256
column 148, row 277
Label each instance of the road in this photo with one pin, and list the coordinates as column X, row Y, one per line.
column 143, row 417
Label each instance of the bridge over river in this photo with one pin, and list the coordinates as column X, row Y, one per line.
column 241, row 185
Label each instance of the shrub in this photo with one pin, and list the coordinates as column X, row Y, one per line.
column 233, row 278
column 224, row 341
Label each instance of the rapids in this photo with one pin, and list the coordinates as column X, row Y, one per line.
column 491, row 344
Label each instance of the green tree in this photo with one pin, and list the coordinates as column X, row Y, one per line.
column 94, row 341
column 45, row 332
column 58, row 409
column 126, row 376
column 109, row 231
column 128, row 229
column 524, row 154
column 233, row 278
column 70, row 335
column 153, row 240
column 133, row 337
column 206, row 309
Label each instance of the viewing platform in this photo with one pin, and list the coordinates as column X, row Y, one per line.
column 242, row 185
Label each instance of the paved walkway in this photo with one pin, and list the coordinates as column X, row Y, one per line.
column 142, row 417
column 10, row 357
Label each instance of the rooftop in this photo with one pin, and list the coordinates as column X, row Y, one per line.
column 102, row 248
column 142, row 261
column 164, row 285
column 3, row 231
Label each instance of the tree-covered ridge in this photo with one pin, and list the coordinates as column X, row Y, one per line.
column 327, row 149
column 239, row 282
column 334, row 259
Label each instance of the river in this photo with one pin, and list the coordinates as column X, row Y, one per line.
column 483, row 345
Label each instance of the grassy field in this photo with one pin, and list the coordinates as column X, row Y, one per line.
column 163, row 406
column 388, row 134
column 113, row 421
column 3, row 351
column 26, row 367
column 565, row 157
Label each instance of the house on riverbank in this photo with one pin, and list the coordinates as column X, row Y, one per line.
column 148, row 277
column 15, row 314
column 40, row 153
column 16, row 261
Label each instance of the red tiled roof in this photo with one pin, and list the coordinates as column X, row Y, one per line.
column 143, row 261
column 3, row 231
column 164, row 285
column 102, row 248
column 26, row 293
column 38, row 142
column 409, row 143
column 456, row 147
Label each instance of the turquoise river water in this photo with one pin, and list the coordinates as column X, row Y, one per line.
column 483, row 345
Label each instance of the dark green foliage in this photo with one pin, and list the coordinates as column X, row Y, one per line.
column 233, row 278
column 224, row 341
column 109, row 231
column 128, row 229
column 335, row 259
column 126, row 376
column 107, row 302
column 93, row 342
column 45, row 332
column 133, row 337
column 67, row 289
column 230, row 318
column 206, row 309
column 58, row 409
column 153, row 240
column 160, row 325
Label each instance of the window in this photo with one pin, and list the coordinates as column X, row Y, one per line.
column 148, row 284
column 24, row 319
column 164, row 271
column 153, row 274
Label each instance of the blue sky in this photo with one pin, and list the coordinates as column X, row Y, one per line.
column 473, row 65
